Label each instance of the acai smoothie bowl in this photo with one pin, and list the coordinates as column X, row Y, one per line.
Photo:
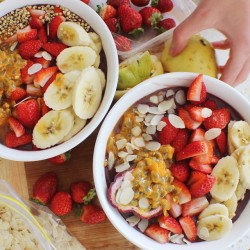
column 171, row 164
column 58, row 74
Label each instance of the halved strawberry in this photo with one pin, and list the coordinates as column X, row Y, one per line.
column 16, row 126
column 189, row 122
column 197, row 90
column 37, row 13
column 106, row 11
column 182, row 192
column 33, row 91
column 45, row 63
column 215, row 159
column 52, row 79
column 26, row 78
column 17, row 94
column 168, row 133
column 43, row 107
column 12, row 141
column 29, row 48
column 192, row 149
column 194, row 177
column 221, row 142
column 26, row 35
column 54, row 48
column 36, row 23
column 42, row 35
column 219, row 119
column 211, row 104
column 175, row 208
column 204, row 168
column 189, row 227
column 170, row 224
column 202, row 186
column 195, row 206
column 180, row 170
column 44, row 75
column 53, row 26
column 180, row 141
column 207, row 157
column 157, row 233
column 195, row 112
column 197, row 135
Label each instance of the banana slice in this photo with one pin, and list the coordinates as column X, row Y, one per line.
column 97, row 61
column 240, row 191
column 96, row 43
column 230, row 145
column 58, row 95
column 78, row 125
column 231, row 205
column 87, row 93
column 244, row 167
column 240, row 134
column 52, row 127
column 237, row 152
column 214, row 227
column 73, row 34
column 75, row 58
column 213, row 209
column 102, row 77
column 227, row 177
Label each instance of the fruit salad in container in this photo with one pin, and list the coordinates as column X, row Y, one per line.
column 52, row 76
column 138, row 25
column 176, row 166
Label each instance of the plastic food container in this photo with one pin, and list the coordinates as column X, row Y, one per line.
column 150, row 38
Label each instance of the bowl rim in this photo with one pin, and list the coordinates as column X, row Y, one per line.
column 96, row 22
column 240, row 228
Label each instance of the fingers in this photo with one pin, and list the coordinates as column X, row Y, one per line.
column 223, row 44
column 242, row 76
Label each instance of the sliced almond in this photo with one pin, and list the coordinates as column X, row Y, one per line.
column 171, row 111
column 34, row 68
column 142, row 225
column 156, row 119
column 206, row 112
column 129, row 148
column 126, row 196
column 46, row 56
column 155, row 111
column 39, row 54
column 139, row 119
column 151, row 130
column 186, row 241
column 133, row 220
column 13, row 46
column 120, row 144
column 153, row 145
column 148, row 118
column 111, row 160
column 177, row 238
column 128, row 176
column 122, row 154
column 165, row 105
column 212, row 133
column 122, row 167
column 117, row 196
column 180, row 97
column 169, row 93
column 130, row 157
column 138, row 142
column 176, row 121
column 147, row 137
column 143, row 108
column 160, row 98
column 161, row 125
column 143, row 203
column 136, row 131
column 154, row 99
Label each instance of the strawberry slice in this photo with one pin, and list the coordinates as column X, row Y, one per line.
column 197, row 92
column 36, row 23
column 202, row 186
column 157, row 233
column 189, row 227
column 53, row 26
column 16, row 126
column 168, row 133
column 37, row 13
column 122, row 43
column 54, row 48
column 207, row 157
column 52, row 79
column 192, row 149
column 170, row 224
column 12, row 141
column 29, row 48
column 189, row 122
column 33, row 91
column 42, row 35
column 204, row 168
column 182, row 192
column 195, row 206
column 26, row 35
column 219, row 119
column 180, row 141
column 175, row 208
column 194, row 177
column 44, row 75
column 215, row 159
column 26, row 78
column 180, row 170
column 195, row 112
column 42, row 105
column 197, row 135
column 17, row 94
column 45, row 63
column 221, row 142
column 211, row 104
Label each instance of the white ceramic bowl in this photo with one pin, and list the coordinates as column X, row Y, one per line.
column 215, row 87
column 95, row 21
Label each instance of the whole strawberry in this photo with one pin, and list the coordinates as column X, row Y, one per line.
column 140, row 3
column 60, row 159
column 82, row 192
column 61, row 203
column 163, row 5
column 112, row 24
column 117, row 3
column 92, row 214
column 130, row 20
column 44, row 188
column 166, row 24
column 28, row 113
column 106, row 11
column 150, row 16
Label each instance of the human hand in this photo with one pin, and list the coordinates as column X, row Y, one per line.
column 230, row 17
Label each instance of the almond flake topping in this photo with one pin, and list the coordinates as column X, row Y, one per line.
column 126, row 196
column 130, row 157
column 156, row 119
column 151, row 130
column 176, row 121
column 122, row 154
column 38, row 54
column 133, row 220
column 120, row 144
column 46, row 56
column 212, row 133
column 143, row 203
column 155, row 111
column 122, row 167
column 206, row 112
column 13, row 46
column 153, row 145
column 142, row 225
column 138, row 142
column 34, row 68
column 136, row 131
column 161, row 125
column 169, row 93
column 165, row 105
column 148, row 118
column 154, row 99
column 147, row 137
column 143, row 108
column 111, row 160
column 180, row 97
